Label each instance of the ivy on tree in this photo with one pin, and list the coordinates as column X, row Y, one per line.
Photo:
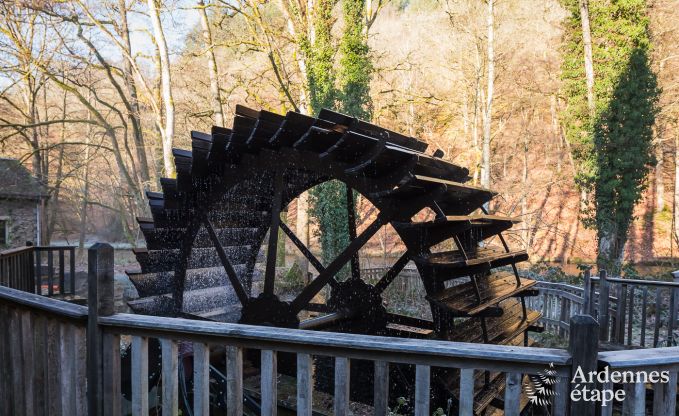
column 344, row 88
column 612, row 148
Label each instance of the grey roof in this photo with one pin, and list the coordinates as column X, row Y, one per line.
column 17, row 182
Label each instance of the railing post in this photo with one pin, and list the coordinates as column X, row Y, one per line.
column 583, row 347
column 675, row 310
column 99, row 303
column 604, row 290
column 587, row 293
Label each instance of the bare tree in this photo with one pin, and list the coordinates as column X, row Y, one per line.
column 215, row 95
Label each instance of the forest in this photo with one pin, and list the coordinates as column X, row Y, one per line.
column 569, row 109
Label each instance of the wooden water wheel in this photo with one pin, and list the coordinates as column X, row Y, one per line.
column 209, row 225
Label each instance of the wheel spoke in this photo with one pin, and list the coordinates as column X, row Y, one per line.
column 230, row 272
column 392, row 273
column 305, row 251
column 351, row 218
column 182, row 264
column 272, row 248
column 324, row 277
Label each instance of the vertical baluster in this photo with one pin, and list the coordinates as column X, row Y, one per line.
column 38, row 270
column 644, row 303
column 635, row 399
column 111, row 358
column 381, row 390
column 54, row 386
column 607, row 407
column 304, row 385
column 234, row 380
column 630, row 315
column 422, row 380
column 169, row 370
column 670, row 314
column 201, row 380
column 28, row 358
column 62, row 270
column 68, row 369
column 15, row 359
column 140, row 376
column 665, row 396
column 604, row 290
column 269, row 385
column 342, row 376
column 560, row 400
column 513, row 394
column 620, row 313
column 466, row 392
column 81, row 371
column 50, row 273
column 71, row 260
column 658, row 315
column 40, row 364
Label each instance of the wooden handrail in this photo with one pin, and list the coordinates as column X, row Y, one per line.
column 56, row 308
column 402, row 350
column 15, row 251
column 639, row 282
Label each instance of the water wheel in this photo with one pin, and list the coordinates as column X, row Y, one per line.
column 209, row 226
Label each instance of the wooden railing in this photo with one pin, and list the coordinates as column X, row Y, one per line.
column 638, row 313
column 22, row 268
column 51, row 350
column 17, row 269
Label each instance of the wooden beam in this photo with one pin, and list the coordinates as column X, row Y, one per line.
column 422, row 383
column 201, row 379
column 228, row 267
column 272, row 247
column 392, row 273
column 351, row 225
column 234, row 380
column 336, row 265
column 304, row 385
column 342, row 377
column 170, row 394
column 302, row 248
column 269, row 383
column 381, row 388
column 513, row 394
column 466, row 392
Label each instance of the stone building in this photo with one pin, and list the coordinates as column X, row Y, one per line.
column 22, row 202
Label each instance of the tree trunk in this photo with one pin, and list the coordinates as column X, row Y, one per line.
column 676, row 187
column 589, row 62
column 659, row 180
column 212, row 65
column 166, row 88
column 131, row 87
column 485, row 152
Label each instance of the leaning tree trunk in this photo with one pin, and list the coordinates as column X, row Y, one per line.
column 166, row 88
column 487, row 120
column 211, row 65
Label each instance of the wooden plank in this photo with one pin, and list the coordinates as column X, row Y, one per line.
column 170, row 394
column 234, row 380
column 62, row 271
column 304, row 385
column 513, row 394
column 630, row 315
column 269, row 383
column 81, row 371
column 140, row 376
column 50, row 273
column 466, row 392
column 68, row 369
column 434, row 353
column 635, row 400
column 607, row 407
column 665, row 396
column 658, row 317
column 112, row 396
column 381, row 388
column 55, row 307
column 583, row 346
column 28, row 359
column 201, row 380
column 620, row 315
column 342, row 376
column 71, row 259
column 54, row 392
column 560, row 400
column 16, row 360
column 644, row 306
column 587, row 293
column 422, row 383
column 5, row 362
column 671, row 317
column 38, row 272
column 604, row 289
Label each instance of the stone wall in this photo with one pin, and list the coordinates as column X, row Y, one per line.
column 22, row 216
